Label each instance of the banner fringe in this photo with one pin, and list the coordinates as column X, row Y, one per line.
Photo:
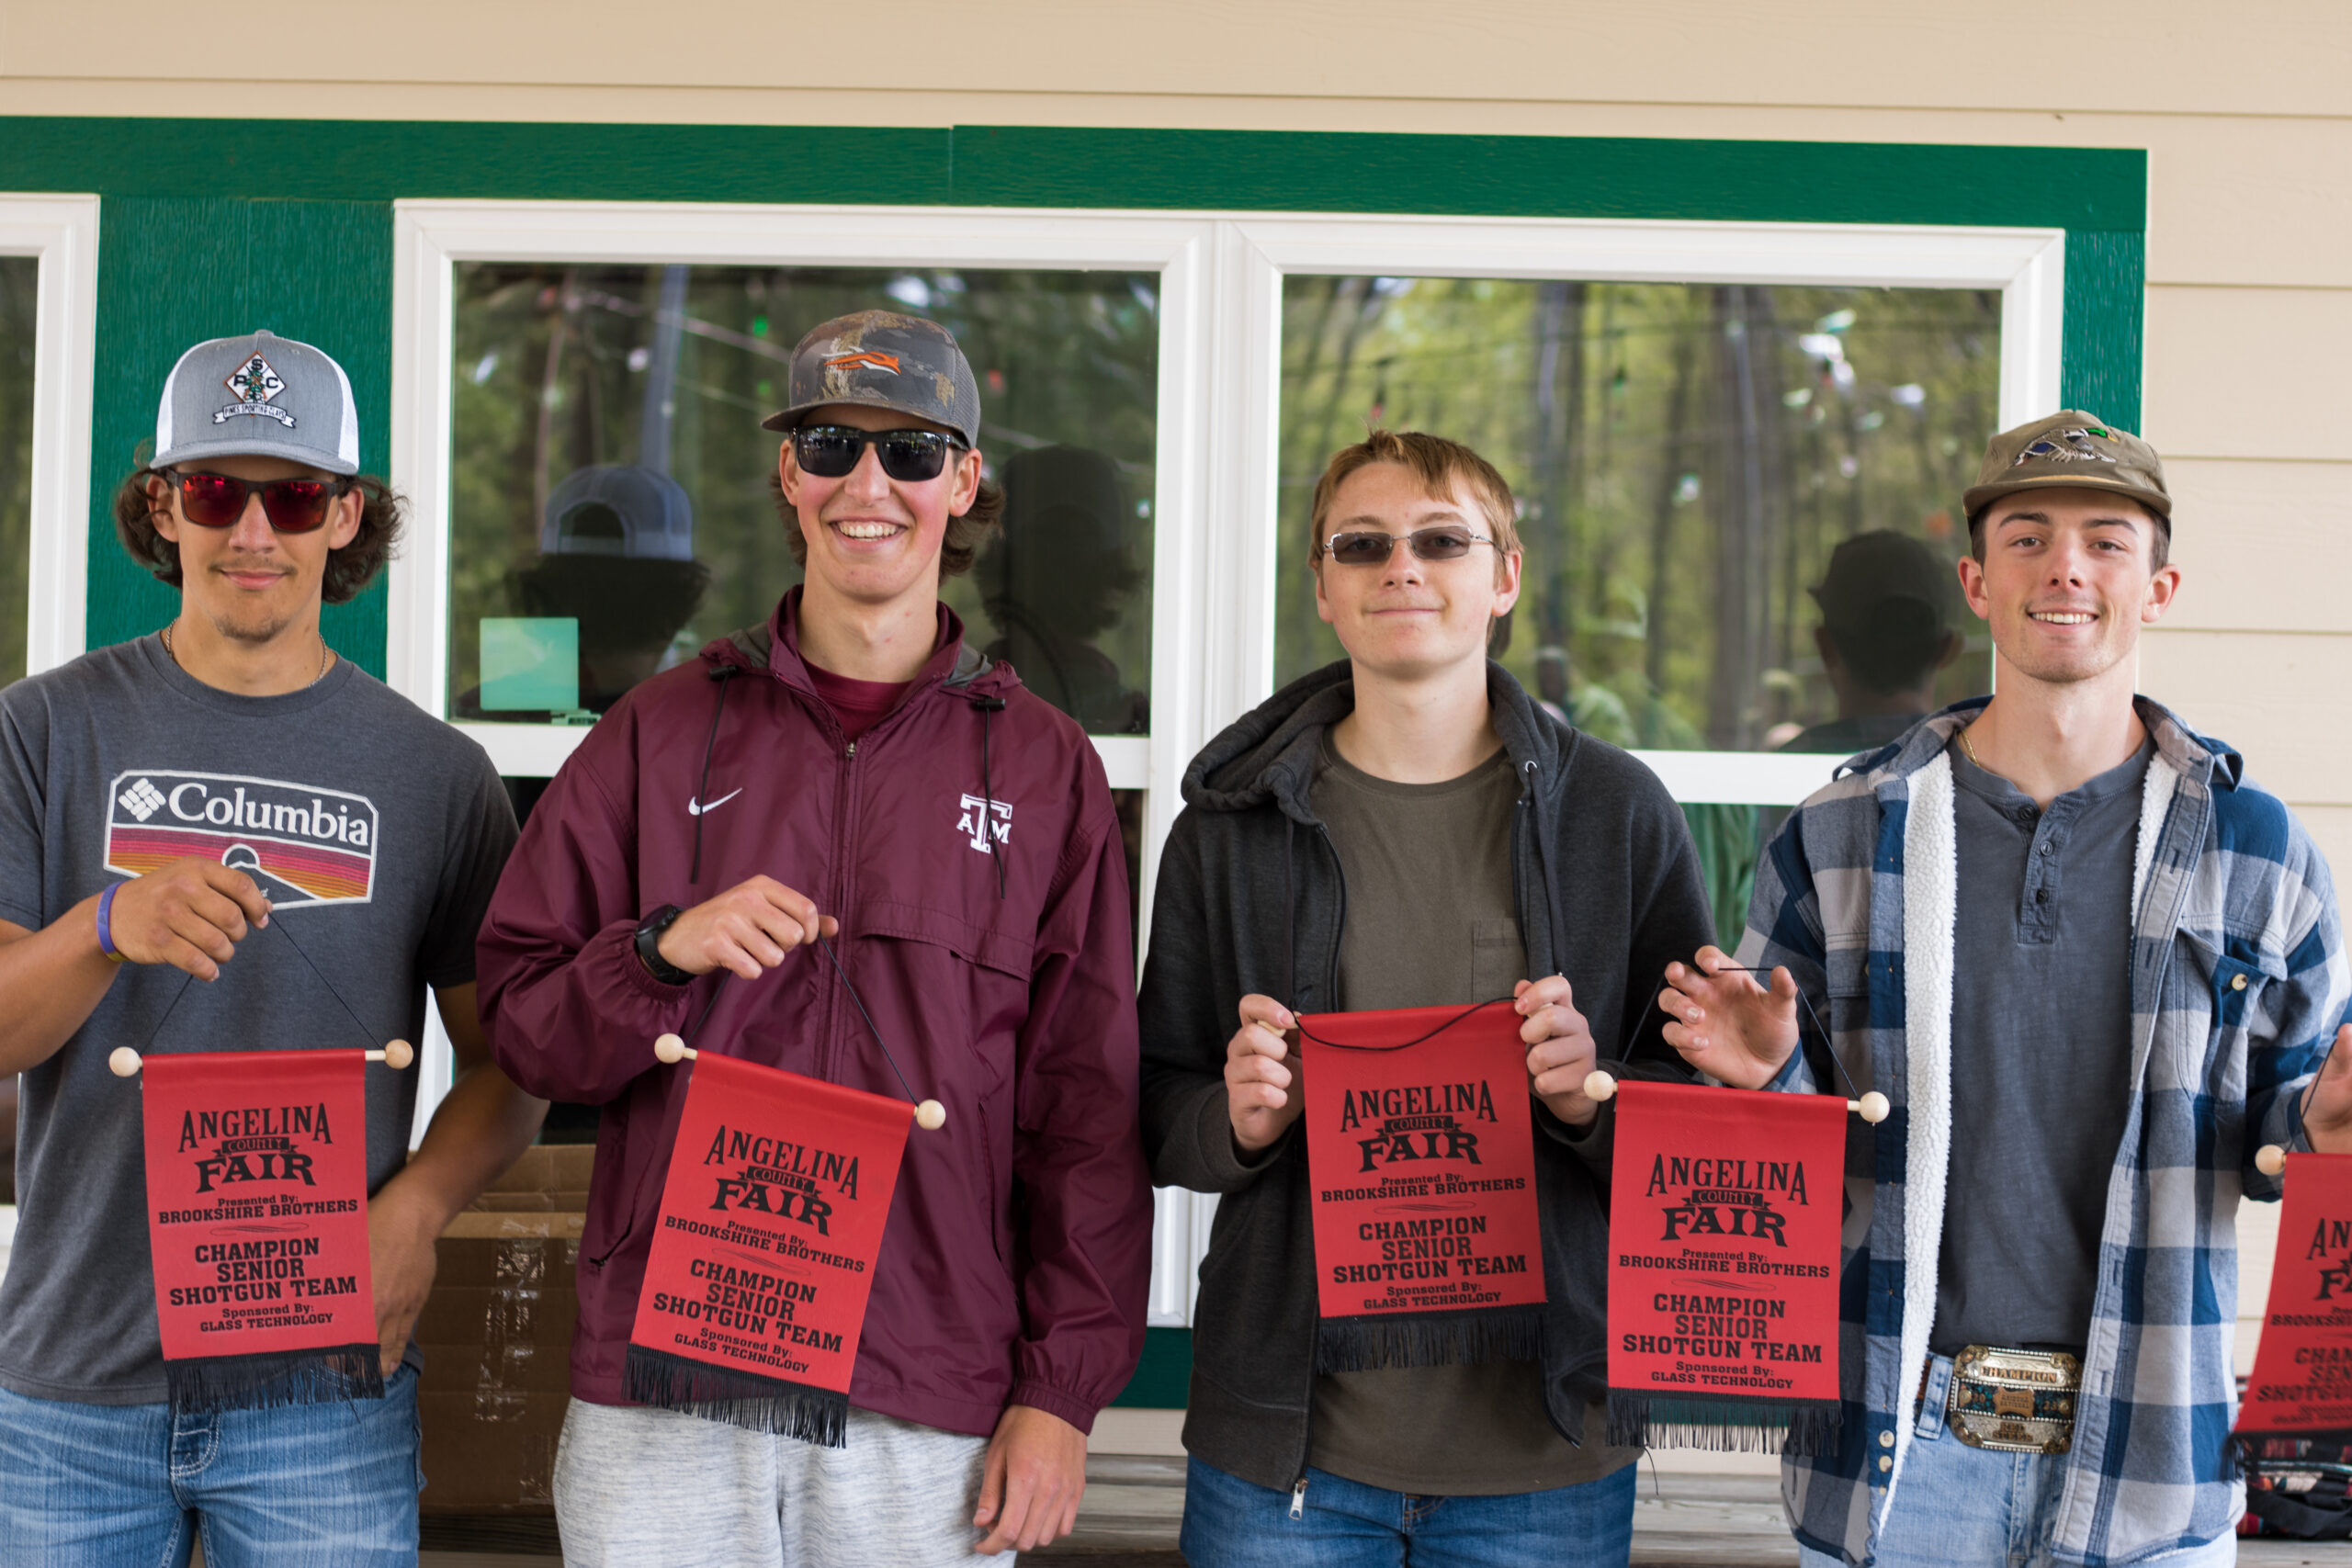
column 2247, row 1450
column 1796, row 1427
column 738, row 1398
column 1430, row 1339
column 205, row 1385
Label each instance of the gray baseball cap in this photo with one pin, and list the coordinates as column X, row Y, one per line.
column 258, row 396
column 884, row 360
column 618, row 509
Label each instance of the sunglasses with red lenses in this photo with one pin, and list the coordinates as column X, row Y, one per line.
column 292, row 506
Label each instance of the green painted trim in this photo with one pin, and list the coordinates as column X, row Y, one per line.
column 205, row 231
column 1163, row 1379
column 175, row 270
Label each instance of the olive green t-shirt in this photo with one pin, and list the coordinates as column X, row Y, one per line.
column 1431, row 923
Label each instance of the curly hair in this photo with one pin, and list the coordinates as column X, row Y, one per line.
column 958, row 548
column 382, row 515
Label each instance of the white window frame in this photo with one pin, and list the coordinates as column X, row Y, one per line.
column 1215, row 568
column 63, row 232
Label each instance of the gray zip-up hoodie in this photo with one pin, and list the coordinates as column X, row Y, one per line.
column 1251, row 900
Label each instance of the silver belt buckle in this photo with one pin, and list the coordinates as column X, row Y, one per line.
column 2017, row 1402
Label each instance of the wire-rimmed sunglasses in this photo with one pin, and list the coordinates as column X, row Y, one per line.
column 292, row 506
column 831, row 451
column 1369, row 548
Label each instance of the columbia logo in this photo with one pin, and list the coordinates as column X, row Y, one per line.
column 142, row 799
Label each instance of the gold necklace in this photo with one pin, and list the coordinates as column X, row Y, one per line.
column 166, row 636
column 1967, row 746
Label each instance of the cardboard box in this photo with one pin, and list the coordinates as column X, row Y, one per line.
column 496, row 1335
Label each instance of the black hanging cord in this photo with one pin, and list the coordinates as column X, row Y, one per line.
column 722, row 674
column 1828, row 1047
column 859, row 1002
column 1343, row 1046
column 987, row 706
column 279, row 926
column 694, row 1033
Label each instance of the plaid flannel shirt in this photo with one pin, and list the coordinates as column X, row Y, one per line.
column 2238, row 983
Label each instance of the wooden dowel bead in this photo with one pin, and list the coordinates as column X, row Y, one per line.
column 2271, row 1159
column 671, row 1048
column 1598, row 1086
column 124, row 1061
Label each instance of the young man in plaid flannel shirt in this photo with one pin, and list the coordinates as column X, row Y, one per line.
column 2095, row 969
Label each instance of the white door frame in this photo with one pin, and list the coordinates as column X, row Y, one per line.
column 62, row 231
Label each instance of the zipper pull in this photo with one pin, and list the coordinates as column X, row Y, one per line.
column 850, row 755
column 1298, row 1499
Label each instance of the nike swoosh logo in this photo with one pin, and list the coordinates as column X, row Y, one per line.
column 697, row 807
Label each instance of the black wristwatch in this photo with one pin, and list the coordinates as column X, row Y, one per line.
column 648, row 946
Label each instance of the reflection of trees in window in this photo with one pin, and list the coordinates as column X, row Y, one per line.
column 19, row 288
column 552, row 363
column 1685, row 458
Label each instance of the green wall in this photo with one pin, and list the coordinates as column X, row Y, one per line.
column 210, row 228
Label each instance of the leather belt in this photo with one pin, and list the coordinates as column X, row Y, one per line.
column 2019, row 1402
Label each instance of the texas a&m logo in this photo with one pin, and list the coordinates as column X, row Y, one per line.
column 303, row 845
column 985, row 822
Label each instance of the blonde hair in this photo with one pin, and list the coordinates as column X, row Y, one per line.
column 1440, row 465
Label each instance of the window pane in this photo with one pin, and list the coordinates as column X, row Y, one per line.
column 19, row 288
column 1686, row 458
column 611, row 509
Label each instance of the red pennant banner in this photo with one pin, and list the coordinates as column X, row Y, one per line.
column 257, row 1221
column 2301, row 1388
column 1724, row 1217
column 771, row 1217
column 1419, row 1145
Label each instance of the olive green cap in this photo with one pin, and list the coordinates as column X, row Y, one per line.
column 2066, row 449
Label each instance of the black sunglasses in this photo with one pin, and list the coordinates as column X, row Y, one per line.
column 831, row 451
column 1369, row 548
column 292, row 506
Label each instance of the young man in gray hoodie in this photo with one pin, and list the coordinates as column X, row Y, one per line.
column 1403, row 829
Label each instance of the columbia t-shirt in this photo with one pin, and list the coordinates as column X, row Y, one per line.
column 378, row 831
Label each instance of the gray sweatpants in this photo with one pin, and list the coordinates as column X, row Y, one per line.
column 637, row 1487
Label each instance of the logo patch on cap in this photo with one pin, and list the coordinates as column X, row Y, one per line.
column 866, row 359
column 256, row 383
column 2067, row 447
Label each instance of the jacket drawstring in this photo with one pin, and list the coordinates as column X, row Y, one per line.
column 1290, row 914
column 988, row 705
column 1543, row 867
column 722, row 674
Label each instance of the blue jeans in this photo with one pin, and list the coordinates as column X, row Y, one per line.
column 1229, row 1523
column 1956, row 1507
column 127, row 1486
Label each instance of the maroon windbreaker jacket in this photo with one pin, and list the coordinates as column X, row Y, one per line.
column 1017, row 1256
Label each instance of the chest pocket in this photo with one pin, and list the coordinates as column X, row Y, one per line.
column 1496, row 959
column 969, row 984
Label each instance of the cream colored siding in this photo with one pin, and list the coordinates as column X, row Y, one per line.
column 2246, row 113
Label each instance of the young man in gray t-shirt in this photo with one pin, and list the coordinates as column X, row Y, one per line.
column 224, row 838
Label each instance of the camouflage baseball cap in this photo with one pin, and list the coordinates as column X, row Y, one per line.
column 2070, row 448
column 887, row 361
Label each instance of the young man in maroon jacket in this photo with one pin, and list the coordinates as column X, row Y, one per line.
column 850, row 768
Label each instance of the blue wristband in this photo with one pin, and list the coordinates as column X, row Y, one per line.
column 106, row 922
